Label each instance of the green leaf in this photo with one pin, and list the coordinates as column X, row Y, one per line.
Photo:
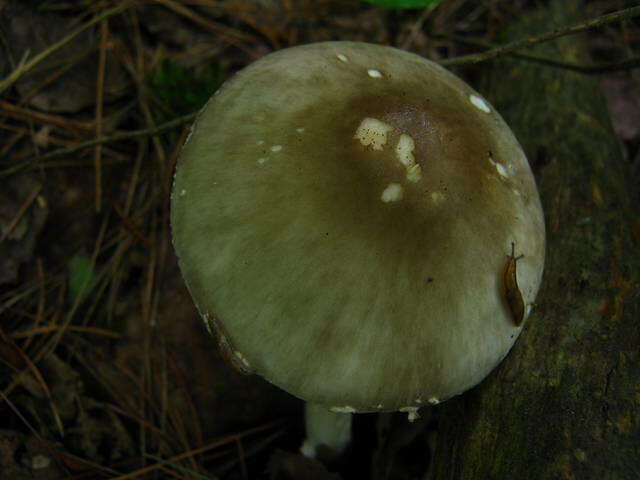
column 403, row 3
column 81, row 276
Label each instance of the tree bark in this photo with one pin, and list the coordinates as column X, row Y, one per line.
column 566, row 402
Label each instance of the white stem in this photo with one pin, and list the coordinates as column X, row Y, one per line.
column 328, row 433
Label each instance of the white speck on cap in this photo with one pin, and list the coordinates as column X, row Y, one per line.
column 242, row 358
column 207, row 323
column 300, row 130
column 412, row 411
column 262, row 160
column 479, row 103
column 276, row 148
column 342, row 58
column 414, row 173
column 404, row 150
column 437, row 197
column 345, row 409
column 433, row 401
column 189, row 134
column 499, row 167
column 404, row 154
column 183, row 192
column 260, row 142
column 372, row 131
column 392, row 193
column 373, row 73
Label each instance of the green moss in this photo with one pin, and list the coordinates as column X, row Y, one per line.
column 176, row 90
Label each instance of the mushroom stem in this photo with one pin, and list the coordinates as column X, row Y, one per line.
column 328, row 433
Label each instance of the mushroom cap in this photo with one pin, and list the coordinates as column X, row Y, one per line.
column 343, row 213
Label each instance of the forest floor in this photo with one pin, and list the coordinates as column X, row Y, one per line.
column 106, row 370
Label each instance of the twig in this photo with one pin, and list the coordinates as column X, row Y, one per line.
column 21, row 211
column 160, row 129
column 625, row 64
column 192, row 473
column 27, row 66
column 183, row 384
column 231, row 36
column 71, row 328
column 251, row 451
column 241, row 458
column 97, row 157
column 19, row 415
column 21, row 132
column 78, row 463
column 197, row 451
column 37, row 375
column 131, row 227
column 53, row 342
column 41, row 304
column 417, row 26
column 24, row 113
column 553, row 34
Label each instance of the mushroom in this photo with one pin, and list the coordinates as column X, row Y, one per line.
column 343, row 214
